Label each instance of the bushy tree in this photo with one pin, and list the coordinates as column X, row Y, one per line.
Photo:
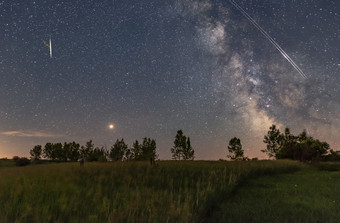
column 118, row 150
column 73, row 151
column 182, row 147
column 235, row 149
column 97, row 154
column 307, row 150
column 86, row 150
column 60, row 153
column 50, row 151
column 288, row 146
column 148, row 148
column 274, row 140
column 36, row 152
column 333, row 156
column 136, row 151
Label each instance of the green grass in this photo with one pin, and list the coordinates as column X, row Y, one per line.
column 193, row 191
column 124, row 192
column 309, row 195
column 6, row 163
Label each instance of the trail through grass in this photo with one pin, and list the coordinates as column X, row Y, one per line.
column 309, row 195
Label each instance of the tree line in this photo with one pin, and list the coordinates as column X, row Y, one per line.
column 73, row 152
column 119, row 151
column 279, row 145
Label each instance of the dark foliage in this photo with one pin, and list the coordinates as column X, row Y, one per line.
column 118, row 150
column 36, row 153
column 21, row 161
column 273, row 139
column 148, row 148
column 235, row 149
column 287, row 146
column 182, row 147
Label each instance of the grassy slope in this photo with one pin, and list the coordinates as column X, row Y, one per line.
column 309, row 195
column 123, row 192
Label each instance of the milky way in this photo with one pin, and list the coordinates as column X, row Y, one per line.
column 153, row 67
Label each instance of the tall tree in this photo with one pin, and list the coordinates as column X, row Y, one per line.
column 148, row 148
column 74, row 151
column 136, row 151
column 274, row 140
column 118, row 150
column 180, row 145
column 303, row 136
column 36, row 152
column 49, row 151
column 59, row 152
column 85, row 151
column 188, row 151
column 235, row 149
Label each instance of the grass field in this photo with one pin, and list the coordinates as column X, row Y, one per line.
column 6, row 163
column 309, row 195
column 194, row 191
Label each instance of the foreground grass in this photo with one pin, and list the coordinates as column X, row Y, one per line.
column 6, row 163
column 309, row 195
column 124, row 192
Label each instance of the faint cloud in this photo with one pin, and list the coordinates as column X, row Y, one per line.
column 30, row 134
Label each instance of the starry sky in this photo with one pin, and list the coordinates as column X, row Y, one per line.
column 152, row 67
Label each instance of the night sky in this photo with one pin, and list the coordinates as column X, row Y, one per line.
column 152, row 67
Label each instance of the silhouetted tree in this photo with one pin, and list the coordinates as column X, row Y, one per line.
column 148, row 148
column 97, row 154
column 182, row 147
column 188, row 151
column 136, row 150
column 118, row 150
column 307, row 150
column 59, row 152
column 73, row 151
column 287, row 146
column 179, row 144
column 85, row 151
column 333, row 156
column 303, row 136
column 36, row 152
column 235, row 149
column 274, row 140
column 49, row 151
column 65, row 151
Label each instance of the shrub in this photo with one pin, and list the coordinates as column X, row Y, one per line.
column 23, row 161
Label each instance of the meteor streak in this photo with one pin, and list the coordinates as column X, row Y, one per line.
column 271, row 40
column 49, row 45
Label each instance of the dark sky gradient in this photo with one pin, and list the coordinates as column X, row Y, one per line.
column 153, row 67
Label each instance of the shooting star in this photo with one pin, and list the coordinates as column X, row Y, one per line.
column 49, row 45
column 271, row 40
